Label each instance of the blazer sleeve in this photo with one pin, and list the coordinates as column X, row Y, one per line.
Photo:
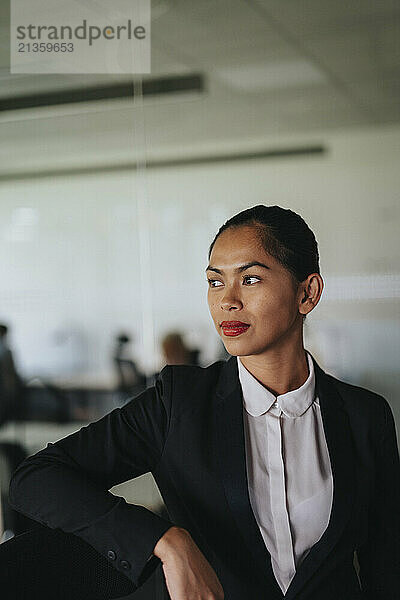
column 66, row 484
column 379, row 557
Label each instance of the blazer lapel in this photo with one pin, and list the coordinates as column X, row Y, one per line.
column 230, row 443
column 341, row 454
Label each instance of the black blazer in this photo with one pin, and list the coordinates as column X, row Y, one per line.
column 188, row 431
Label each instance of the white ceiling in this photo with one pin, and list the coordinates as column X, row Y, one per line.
column 272, row 67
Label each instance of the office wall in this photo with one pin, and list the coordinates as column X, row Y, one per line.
column 74, row 268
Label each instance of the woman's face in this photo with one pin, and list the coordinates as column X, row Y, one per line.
column 255, row 307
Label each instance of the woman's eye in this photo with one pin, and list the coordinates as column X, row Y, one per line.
column 214, row 283
column 250, row 279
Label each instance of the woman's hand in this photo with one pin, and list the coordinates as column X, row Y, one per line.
column 188, row 574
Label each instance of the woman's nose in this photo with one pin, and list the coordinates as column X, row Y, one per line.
column 231, row 301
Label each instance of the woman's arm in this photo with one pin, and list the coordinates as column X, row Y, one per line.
column 66, row 485
column 379, row 557
column 188, row 574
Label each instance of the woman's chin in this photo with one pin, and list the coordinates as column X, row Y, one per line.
column 237, row 347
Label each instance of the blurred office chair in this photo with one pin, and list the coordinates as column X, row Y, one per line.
column 11, row 384
column 131, row 380
column 45, row 564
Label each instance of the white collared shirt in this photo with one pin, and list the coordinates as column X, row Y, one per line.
column 288, row 469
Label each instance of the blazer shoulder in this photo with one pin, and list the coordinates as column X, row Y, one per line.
column 189, row 385
column 363, row 404
column 355, row 392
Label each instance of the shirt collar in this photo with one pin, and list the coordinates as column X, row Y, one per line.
column 258, row 400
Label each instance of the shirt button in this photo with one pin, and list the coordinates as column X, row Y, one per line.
column 125, row 564
column 111, row 555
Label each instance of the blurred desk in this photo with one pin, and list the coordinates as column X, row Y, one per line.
column 48, row 401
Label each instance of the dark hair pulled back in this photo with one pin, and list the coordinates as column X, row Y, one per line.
column 284, row 234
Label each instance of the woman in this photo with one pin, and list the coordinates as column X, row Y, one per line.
column 273, row 473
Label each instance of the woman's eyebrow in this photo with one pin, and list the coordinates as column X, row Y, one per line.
column 254, row 263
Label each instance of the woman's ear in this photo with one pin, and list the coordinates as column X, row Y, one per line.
column 311, row 290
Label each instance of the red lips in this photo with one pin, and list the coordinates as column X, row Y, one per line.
column 233, row 328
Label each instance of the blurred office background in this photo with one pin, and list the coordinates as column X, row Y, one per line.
column 107, row 206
